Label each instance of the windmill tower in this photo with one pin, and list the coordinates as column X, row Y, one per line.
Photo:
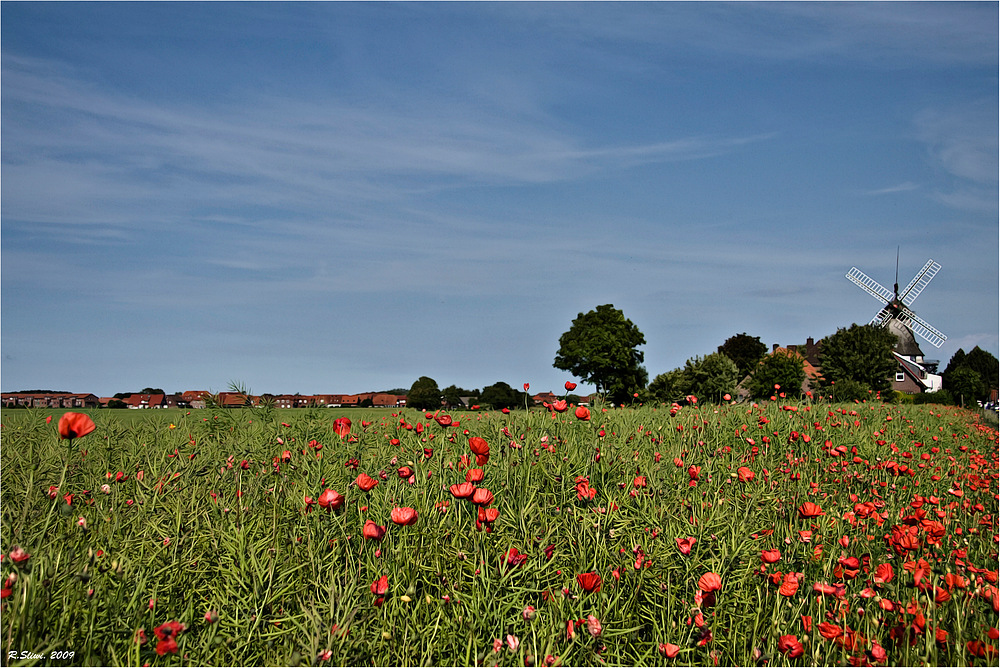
column 896, row 314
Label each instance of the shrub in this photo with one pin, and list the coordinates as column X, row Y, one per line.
column 942, row 397
column 850, row 390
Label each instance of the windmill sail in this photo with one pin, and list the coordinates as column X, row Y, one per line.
column 895, row 304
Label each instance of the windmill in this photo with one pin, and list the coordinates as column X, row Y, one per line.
column 896, row 314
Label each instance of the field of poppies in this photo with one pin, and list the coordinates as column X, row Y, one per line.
column 742, row 534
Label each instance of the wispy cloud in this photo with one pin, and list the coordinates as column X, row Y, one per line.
column 962, row 141
column 899, row 188
column 116, row 159
column 880, row 34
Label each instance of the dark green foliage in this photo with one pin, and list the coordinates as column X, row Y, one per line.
column 601, row 348
column 708, row 378
column 966, row 385
column 501, row 395
column 860, row 353
column 848, row 390
column 781, row 368
column 669, row 386
column 957, row 360
column 453, row 395
column 745, row 351
column 424, row 394
column 986, row 365
column 979, row 362
column 942, row 397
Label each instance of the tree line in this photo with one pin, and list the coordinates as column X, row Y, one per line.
column 601, row 348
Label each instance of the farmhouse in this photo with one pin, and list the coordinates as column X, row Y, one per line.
column 195, row 398
column 139, row 401
column 49, row 400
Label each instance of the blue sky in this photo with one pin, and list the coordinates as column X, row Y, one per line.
column 344, row 197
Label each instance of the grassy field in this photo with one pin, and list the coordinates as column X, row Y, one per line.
column 777, row 534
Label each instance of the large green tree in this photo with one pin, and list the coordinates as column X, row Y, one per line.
column 424, row 394
column 708, row 378
column 861, row 353
column 986, row 365
column 669, row 386
column 978, row 362
column 966, row 385
column 745, row 351
column 601, row 347
column 500, row 395
column 782, row 368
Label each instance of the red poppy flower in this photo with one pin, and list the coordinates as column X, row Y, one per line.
column 166, row 634
column 828, row 589
column 883, row 574
column 570, row 386
column 830, row 631
column 590, row 582
column 488, row 514
column 365, row 482
column 330, row 500
column 744, row 474
column 709, row 582
column 790, row 646
column 18, row 554
column 75, row 425
column 482, row 496
column 462, row 490
column 582, row 413
column 342, row 426
column 560, row 406
column 404, row 471
column 515, row 558
column 770, row 556
column 809, row 509
column 685, row 544
column 443, row 420
column 790, row 586
column 404, row 516
column 381, row 586
column 372, row 531
column 669, row 650
column 479, row 445
column 693, row 472
column 474, row 475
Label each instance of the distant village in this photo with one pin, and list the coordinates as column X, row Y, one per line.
column 914, row 375
column 197, row 399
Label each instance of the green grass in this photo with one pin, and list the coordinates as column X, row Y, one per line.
column 291, row 582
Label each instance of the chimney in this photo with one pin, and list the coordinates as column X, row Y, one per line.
column 774, row 347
